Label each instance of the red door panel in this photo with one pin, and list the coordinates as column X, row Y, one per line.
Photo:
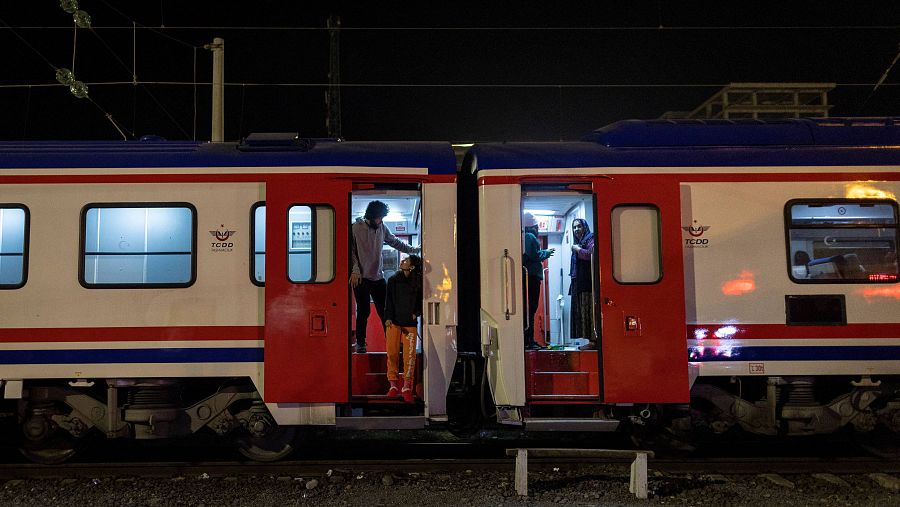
column 649, row 362
column 306, row 327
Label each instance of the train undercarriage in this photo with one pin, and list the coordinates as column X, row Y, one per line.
column 55, row 419
column 866, row 408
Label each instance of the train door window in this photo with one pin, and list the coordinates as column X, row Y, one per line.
column 564, row 318
column 842, row 241
column 138, row 246
column 13, row 245
column 636, row 247
column 258, row 249
column 310, row 241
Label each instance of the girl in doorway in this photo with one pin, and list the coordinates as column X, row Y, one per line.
column 403, row 306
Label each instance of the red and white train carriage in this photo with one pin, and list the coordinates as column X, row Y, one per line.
column 159, row 288
column 748, row 268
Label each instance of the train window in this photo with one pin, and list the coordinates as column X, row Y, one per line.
column 842, row 241
column 138, row 246
column 258, row 253
column 636, row 247
column 13, row 245
column 310, row 244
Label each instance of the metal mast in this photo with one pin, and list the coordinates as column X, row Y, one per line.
column 333, row 95
column 218, row 89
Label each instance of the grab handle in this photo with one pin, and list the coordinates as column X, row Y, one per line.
column 509, row 294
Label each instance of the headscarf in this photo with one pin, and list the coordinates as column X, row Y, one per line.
column 584, row 242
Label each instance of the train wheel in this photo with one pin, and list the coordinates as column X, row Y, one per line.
column 51, row 452
column 44, row 442
column 662, row 429
column 273, row 445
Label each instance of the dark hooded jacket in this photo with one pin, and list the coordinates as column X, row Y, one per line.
column 402, row 300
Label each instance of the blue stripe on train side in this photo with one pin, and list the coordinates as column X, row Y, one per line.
column 106, row 356
column 803, row 353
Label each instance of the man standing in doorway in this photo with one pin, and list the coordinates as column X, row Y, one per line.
column 366, row 277
column 532, row 260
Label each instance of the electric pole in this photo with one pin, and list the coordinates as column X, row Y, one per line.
column 333, row 95
column 218, row 89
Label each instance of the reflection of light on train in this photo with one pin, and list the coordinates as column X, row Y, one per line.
column 726, row 332
column 864, row 191
column 720, row 347
column 871, row 293
column 717, row 350
column 446, row 285
column 743, row 284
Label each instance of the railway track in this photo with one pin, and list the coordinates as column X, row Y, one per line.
column 719, row 466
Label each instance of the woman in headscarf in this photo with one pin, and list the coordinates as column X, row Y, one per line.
column 580, row 287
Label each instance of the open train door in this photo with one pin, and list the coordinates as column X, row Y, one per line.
column 306, row 301
column 641, row 297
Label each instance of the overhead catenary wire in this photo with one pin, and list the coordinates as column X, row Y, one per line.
column 132, row 71
column 880, row 82
column 419, row 85
column 477, row 28
column 108, row 116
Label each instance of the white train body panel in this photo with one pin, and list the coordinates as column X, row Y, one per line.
column 747, row 242
column 222, row 294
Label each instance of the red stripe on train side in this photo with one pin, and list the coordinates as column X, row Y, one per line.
column 109, row 334
column 781, row 331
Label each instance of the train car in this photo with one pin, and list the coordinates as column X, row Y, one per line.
column 155, row 289
column 744, row 275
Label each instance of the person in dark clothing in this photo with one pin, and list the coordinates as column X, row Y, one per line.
column 580, row 287
column 402, row 309
column 366, row 278
column 532, row 260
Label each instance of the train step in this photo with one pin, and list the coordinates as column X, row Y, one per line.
column 563, row 383
column 570, row 424
column 416, row 422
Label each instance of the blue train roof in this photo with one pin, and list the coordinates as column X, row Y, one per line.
column 155, row 152
column 705, row 143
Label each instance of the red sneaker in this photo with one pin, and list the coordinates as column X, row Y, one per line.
column 394, row 391
column 407, row 393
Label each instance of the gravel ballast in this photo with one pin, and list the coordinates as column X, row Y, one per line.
column 586, row 485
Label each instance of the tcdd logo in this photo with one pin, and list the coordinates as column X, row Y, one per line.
column 222, row 236
column 695, row 230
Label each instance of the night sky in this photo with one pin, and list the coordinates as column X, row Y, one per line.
column 455, row 71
